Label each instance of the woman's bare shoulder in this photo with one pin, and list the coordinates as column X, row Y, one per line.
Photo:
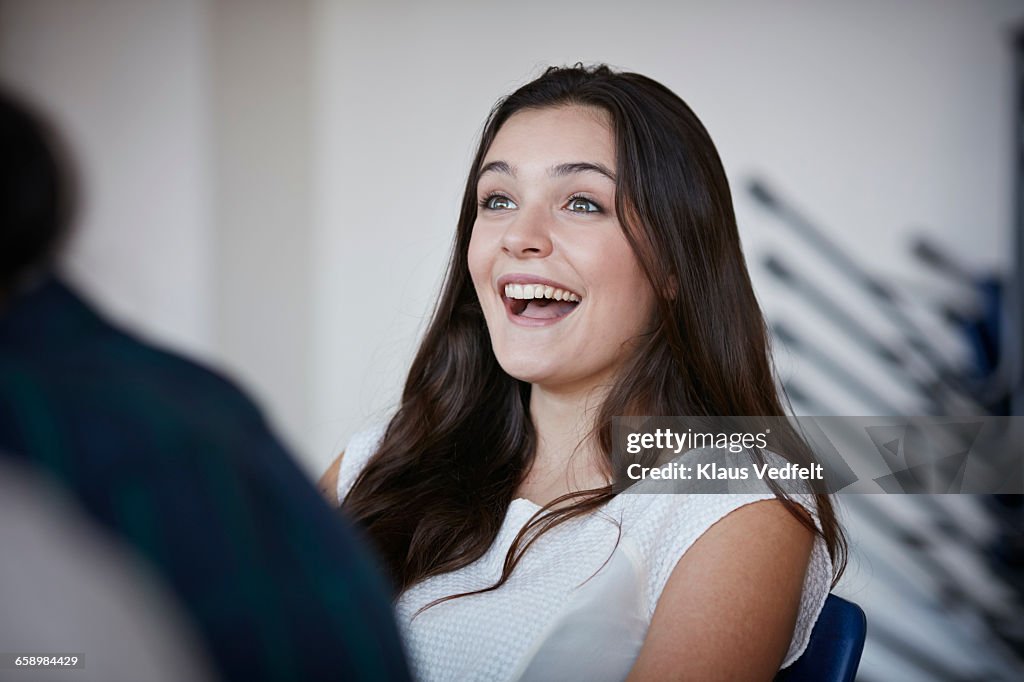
column 328, row 484
column 698, row 631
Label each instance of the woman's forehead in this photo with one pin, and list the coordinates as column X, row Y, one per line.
column 540, row 139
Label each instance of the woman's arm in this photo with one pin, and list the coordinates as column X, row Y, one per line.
column 728, row 610
column 328, row 485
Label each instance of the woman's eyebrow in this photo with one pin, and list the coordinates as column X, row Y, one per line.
column 558, row 171
column 580, row 167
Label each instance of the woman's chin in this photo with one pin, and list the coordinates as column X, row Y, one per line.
column 550, row 374
column 528, row 369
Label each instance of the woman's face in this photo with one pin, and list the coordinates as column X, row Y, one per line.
column 560, row 288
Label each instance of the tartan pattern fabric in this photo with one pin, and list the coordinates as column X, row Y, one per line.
column 172, row 459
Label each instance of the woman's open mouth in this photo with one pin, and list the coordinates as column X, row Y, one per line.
column 534, row 304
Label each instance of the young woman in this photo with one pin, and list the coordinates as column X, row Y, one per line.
column 596, row 272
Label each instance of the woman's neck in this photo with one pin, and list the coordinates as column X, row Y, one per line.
column 567, row 457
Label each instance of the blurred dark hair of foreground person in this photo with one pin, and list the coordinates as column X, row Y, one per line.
column 171, row 461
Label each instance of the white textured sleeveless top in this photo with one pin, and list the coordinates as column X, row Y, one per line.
column 577, row 606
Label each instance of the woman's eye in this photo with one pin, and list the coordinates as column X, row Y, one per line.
column 583, row 205
column 496, row 202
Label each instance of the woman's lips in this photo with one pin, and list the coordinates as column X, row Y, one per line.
column 528, row 279
column 529, row 314
column 534, row 301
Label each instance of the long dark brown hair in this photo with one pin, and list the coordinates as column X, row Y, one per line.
column 433, row 497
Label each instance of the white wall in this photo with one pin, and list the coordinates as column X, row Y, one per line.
column 260, row 106
column 875, row 117
column 190, row 123
column 126, row 81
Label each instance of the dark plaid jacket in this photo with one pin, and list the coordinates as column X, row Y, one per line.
column 176, row 462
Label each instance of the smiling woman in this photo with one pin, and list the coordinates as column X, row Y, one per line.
column 596, row 272
column 547, row 222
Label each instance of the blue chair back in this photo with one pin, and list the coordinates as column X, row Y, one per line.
column 833, row 652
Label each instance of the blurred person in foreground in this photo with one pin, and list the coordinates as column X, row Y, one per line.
column 172, row 460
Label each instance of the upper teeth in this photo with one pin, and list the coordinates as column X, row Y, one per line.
column 528, row 291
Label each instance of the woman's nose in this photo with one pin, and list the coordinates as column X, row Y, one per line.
column 528, row 235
